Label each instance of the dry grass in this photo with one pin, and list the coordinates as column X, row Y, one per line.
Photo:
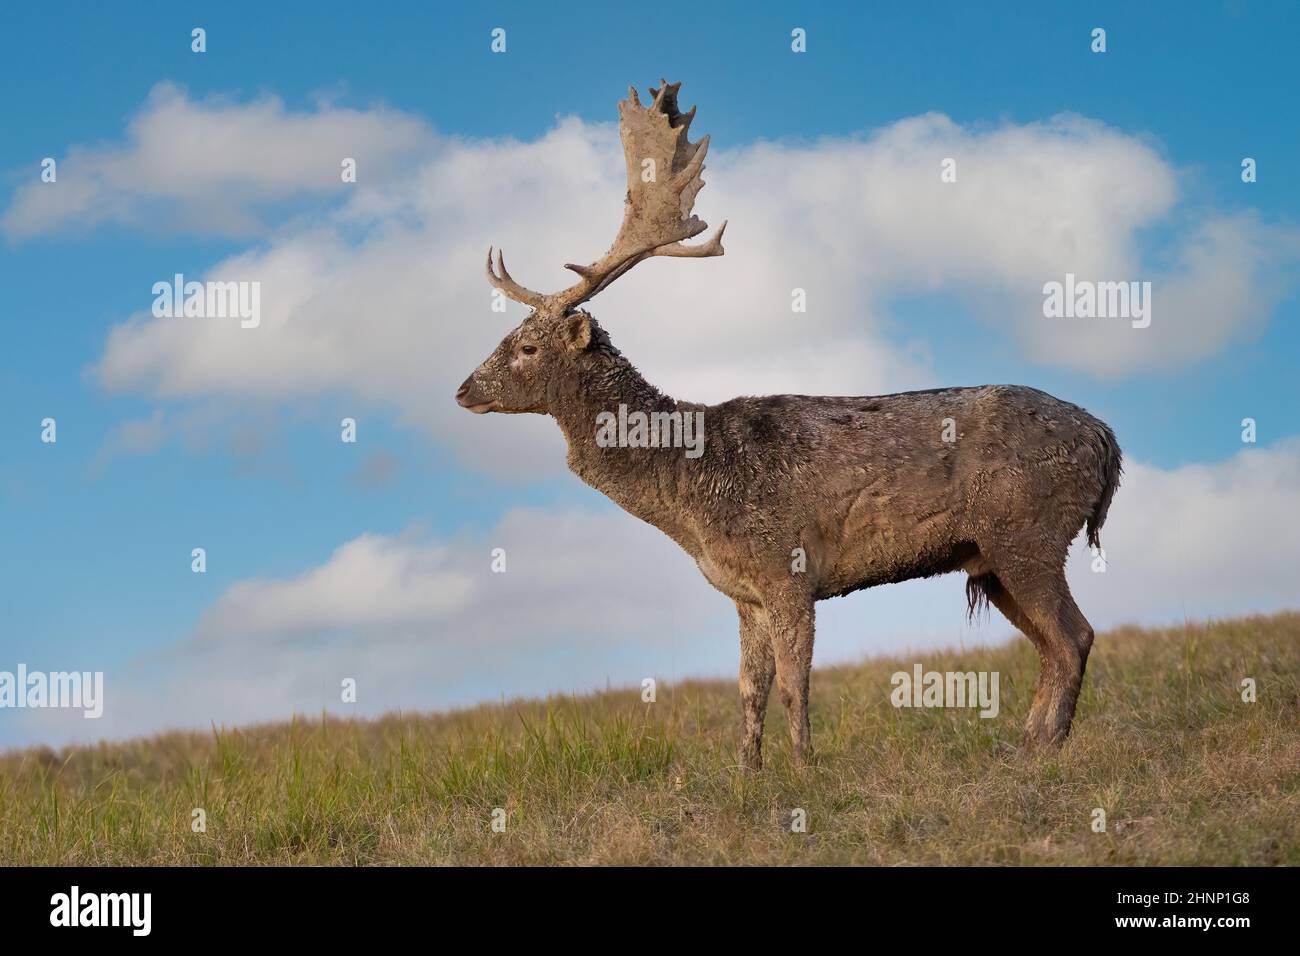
column 1186, row 772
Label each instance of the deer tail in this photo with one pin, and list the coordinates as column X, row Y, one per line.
column 1107, row 448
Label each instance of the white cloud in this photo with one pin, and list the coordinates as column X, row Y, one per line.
column 591, row 598
column 205, row 167
column 1199, row 540
column 385, row 297
column 371, row 582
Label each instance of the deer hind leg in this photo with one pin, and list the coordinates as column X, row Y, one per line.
column 790, row 630
column 757, row 668
column 1041, row 606
column 1001, row 599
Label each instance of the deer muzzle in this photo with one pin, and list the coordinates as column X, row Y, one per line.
column 466, row 398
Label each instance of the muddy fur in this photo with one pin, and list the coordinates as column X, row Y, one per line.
column 866, row 489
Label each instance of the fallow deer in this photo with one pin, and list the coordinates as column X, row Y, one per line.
column 865, row 489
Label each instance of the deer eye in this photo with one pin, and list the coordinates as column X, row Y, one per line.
column 528, row 349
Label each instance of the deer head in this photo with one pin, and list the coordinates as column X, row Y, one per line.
column 549, row 351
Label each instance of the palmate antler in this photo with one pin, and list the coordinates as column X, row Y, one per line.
column 663, row 179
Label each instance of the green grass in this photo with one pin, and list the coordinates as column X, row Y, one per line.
column 1186, row 772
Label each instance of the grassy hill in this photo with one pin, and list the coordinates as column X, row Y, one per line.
column 1186, row 772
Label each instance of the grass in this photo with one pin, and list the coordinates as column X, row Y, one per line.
column 1186, row 772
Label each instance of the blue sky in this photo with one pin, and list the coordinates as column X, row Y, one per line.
column 98, row 527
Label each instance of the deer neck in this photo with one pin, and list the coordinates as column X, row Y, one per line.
column 641, row 480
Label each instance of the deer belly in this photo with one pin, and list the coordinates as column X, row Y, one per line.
column 885, row 551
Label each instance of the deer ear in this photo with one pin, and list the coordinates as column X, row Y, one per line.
column 577, row 330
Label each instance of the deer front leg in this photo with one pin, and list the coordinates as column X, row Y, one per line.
column 791, row 631
column 757, row 667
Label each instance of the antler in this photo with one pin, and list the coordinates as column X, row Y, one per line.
column 501, row 280
column 663, row 179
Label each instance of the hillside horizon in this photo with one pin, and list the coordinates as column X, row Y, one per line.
column 1168, row 757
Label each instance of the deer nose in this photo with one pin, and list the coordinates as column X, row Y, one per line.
column 463, row 390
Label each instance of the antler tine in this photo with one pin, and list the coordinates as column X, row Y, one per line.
column 694, row 167
column 703, row 251
column 501, row 279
